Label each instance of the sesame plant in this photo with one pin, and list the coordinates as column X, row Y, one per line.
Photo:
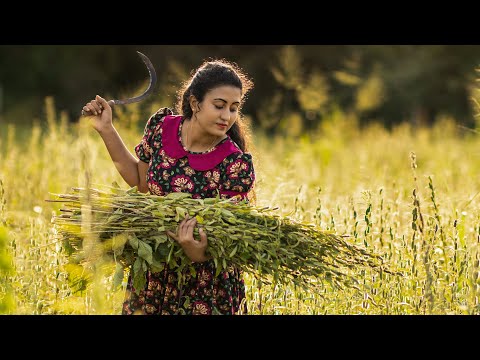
column 408, row 195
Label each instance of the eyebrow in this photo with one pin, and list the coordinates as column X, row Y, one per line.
column 226, row 102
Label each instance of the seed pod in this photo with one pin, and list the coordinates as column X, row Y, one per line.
column 255, row 239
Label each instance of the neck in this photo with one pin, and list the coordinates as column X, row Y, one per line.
column 197, row 143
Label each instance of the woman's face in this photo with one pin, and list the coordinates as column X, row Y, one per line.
column 219, row 110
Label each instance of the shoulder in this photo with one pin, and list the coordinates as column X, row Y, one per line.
column 238, row 175
column 239, row 164
column 158, row 117
column 238, row 155
column 162, row 112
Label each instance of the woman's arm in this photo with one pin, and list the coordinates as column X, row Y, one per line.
column 132, row 170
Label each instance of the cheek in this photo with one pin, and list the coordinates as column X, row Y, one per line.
column 214, row 113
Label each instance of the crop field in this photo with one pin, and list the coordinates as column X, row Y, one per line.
column 409, row 194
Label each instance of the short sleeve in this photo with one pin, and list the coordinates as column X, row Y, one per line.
column 238, row 176
column 152, row 135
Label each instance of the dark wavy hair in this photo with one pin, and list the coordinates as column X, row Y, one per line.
column 210, row 75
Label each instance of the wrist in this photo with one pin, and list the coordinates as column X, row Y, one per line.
column 105, row 130
column 199, row 259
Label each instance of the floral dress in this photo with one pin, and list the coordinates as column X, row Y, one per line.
column 226, row 170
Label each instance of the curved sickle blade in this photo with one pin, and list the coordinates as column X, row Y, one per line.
column 151, row 86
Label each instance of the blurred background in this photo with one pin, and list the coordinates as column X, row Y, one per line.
column 298, row 85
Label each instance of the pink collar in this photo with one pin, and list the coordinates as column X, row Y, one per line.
column 200, row 162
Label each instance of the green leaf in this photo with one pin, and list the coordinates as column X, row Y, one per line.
column 227, row 214
column 159, row 239
column 157, row 264
column 178, row 195
column 145, row 251
column 209, row 201
column 118, row 243
column 137, row 265
column 218, row 269
column 139, row 282
column 132, row 190
column 162, row 251
column 139, row 278
column 181, row 211
column 233, row 251
column 118, row 276
column 133, row 241
column 170, row 254
column 173, row 263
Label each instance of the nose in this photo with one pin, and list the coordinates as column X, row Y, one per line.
column 225, row 115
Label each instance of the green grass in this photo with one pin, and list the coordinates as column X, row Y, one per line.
column 410, row 193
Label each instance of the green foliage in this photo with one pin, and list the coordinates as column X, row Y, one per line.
column 131, row 226
column 415, row 83
column 7, row 302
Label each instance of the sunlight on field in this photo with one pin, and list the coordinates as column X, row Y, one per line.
column 410, row 194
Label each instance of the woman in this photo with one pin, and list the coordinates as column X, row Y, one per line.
column 202, row 151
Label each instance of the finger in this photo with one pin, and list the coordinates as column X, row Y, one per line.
column 86, row 111
column 102, row 102
column 189, row 226
column 96, row 106
column 92, row 109
column 172, row 235
column 187, row 230
column 203, row 236
column 181, row 226
column 183, row 223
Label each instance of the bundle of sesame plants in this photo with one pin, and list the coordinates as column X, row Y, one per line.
column 131, row 226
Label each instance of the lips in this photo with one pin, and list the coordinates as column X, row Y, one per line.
column 223, row 126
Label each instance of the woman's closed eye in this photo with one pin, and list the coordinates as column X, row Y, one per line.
column 221, row 107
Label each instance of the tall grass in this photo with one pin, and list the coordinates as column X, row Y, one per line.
column 410, row 193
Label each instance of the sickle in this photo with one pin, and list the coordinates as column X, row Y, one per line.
column 146, row 93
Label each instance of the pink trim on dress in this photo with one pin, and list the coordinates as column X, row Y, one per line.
column 200, row 162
